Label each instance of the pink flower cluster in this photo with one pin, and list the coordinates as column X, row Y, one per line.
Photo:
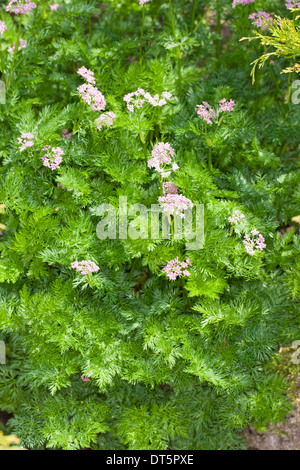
column 252, row 243
column 18, row 6
column 21, row 46
column 66, row 134
column 3, row 27
column 175, row 268
column 260, row 18
column 226, row 105
column 141, row 2
column 53, row 158
column 162, row 154
column 25, row 141
column 85, row 266
column 243, row 2
column 87, row 74
column 105, row 118
column 172, row 203
column 55, row 6
column 169, row 188
column 207, row 113
column 236, row 216
column 92, row 96
column 139, row 97
column 291, row 4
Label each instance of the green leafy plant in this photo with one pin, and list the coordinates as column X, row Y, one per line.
column 124, row 357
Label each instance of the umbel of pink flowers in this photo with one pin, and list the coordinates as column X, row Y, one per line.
column 26, row 140
column 255, row 242
column 66, row 134
column 90, row 94
column 236, row 217
column 53, row 158
column 87, row 74
column 137, row 98
column 176, row 268
column 18, row 6
column 207, row 113
column 291, row 4
column 105, row 118
column 162, row 159
column 260, row 18
column 55, row 6
column 3, row 27
column 172, row 202
column 243, row 2
column 85, row 266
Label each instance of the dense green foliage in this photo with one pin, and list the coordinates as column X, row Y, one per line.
column 172, row 364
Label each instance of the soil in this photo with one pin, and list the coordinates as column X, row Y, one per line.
column 4, row 417
column 286, row 435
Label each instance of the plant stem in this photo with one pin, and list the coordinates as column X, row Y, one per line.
column 172, row 19
column 142, row 35
column 179, row 64
column 193, row 14
column 209, row 159
column 178, row 52
column 208, row 142
column 90, row 27
column 43, row 9
column 171, row 225
column 15, row 53
column 161, row 185
column 200, row 21
column 219, row 31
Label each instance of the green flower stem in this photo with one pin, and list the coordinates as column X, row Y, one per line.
column 193, row 14
column 231, row 230
column 15, row 53
column 142, row 35
column 178, row 52
column 219, row 123
column 186, row 299
column 77, row 127
column 209, row 159
column 90, row 27
column 209, row 144
column 219, row 31
column 171, row 221
column 172, row 19
column 200, row 21
column 44, row 9
column 161, row 185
